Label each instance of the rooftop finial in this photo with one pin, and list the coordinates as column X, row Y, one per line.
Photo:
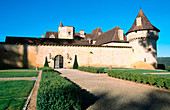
column 61, row 25
column 140, row 5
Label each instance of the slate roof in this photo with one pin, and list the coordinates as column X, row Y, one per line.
column 28, row 40
column 146, row 25
column 110, row 36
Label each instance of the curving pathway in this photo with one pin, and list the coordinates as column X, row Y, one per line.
column 101, row 92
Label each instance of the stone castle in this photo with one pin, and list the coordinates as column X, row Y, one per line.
column 135, row 49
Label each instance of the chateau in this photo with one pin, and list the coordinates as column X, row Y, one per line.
column 135, row 49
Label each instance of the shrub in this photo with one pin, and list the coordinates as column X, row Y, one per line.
column 57, row 93
column 47, row 69
column 92, row 69
column 160, row 82
column 161, row 66
column 152, row 79
column 144, row 78
column 46, row 62
column 167, row 83
column 168, row 68
column 139, row 78
column 75, row 66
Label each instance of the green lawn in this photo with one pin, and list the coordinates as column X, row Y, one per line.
column 13, row 93
column 16, row 73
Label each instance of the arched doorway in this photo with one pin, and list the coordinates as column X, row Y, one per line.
column 58, row 61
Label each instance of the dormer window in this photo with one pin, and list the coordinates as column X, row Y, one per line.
column 138, row 21
column 52, row 36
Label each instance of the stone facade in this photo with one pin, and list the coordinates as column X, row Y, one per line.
column 99, row 49
column 34, row 55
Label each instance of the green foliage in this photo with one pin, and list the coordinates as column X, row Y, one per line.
column 159, row 80
column 164, row 60
column 47, row 69
column 92, row 69
column 57, row 93
column 75, row 66
column 46, row 62
column 161, row 66
column 167, row 83
column 152, row 80
column 168, row 68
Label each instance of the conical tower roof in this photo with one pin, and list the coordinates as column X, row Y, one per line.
column 61, row 25
column 145, row 24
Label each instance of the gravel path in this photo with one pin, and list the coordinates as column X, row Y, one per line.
column 101, row 92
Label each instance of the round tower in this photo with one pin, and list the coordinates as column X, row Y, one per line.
column 142, row 36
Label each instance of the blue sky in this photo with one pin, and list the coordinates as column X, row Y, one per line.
column 31, row 18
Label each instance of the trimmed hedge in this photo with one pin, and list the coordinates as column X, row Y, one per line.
column 75, row 65
column 47, row 69
column 168, row 68
column 92, row 69
column 46, row 62
column 141, row 78
column 57, row 93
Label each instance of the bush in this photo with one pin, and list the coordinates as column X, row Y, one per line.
column 167, row 83
column 92, row 69
column 46, row 62
column 75, row 66
column 47, row 69
column 160, row 82
column 152, row 80
column 141, row 78
column 57, row 93
column 161, row 66
column 168, row 68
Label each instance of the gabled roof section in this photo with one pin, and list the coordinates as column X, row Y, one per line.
column 145, row 24
column 49, row 33
column 109, row 36
column 95, row 33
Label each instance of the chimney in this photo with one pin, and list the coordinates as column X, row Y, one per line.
column 42, row 36
column 82, row 33
column 120, row 34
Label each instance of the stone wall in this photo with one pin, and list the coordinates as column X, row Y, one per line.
column 34, row 55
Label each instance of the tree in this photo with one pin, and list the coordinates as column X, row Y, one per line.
column 75, row 66
column 46, row 62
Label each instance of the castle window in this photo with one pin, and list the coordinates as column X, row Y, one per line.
column 144, row 59
column 149, row 49
column 133, row 50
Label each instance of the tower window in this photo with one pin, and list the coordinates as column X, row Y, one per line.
column 149, row 49
column 138, row 21
column 144, row 59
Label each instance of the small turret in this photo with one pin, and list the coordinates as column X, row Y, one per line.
column 61, row 25
column 142, row 36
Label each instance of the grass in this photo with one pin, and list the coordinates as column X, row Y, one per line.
column 13, row 94
column 12, row 104
column 14, row 73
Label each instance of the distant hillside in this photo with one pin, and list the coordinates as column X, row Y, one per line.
column 164, row 60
